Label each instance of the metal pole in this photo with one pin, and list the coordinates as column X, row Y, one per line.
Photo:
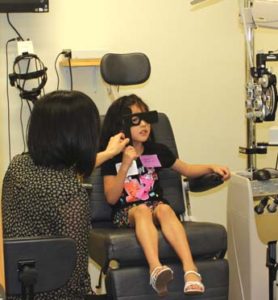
column 251, row 127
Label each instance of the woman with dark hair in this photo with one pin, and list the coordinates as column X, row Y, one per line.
column 42, row 195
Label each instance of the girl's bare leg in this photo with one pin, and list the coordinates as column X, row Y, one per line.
column 176, row 236
column 141, row 218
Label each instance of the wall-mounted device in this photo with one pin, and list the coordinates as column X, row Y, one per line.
column 265, row 13
column 20, row 6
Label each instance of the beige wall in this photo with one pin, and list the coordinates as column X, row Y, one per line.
column 197, row 57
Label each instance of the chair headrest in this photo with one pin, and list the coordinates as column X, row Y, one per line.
column 125, row 69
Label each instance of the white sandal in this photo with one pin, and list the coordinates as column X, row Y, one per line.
column 188, row 290
column 159, row 279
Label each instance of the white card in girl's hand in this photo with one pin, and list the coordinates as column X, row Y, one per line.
column 133, row 170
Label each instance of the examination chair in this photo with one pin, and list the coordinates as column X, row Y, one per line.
column 34, row 265
column 117, row 251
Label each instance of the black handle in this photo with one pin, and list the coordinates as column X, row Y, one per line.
column 205, row 182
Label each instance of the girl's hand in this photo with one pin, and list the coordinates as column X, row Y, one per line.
column 116, row 144
column 129, row 155
column 221, row 170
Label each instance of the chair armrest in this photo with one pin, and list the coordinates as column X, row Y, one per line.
column 205, row 182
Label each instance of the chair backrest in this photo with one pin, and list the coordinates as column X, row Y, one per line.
column 51, row 260
column 170, row 181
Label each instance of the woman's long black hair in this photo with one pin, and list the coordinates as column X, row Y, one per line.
column 64, row 131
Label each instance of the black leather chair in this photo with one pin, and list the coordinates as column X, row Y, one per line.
column 117, row 251
column 34, row 265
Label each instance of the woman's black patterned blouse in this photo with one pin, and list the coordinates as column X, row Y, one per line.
column 40, row 201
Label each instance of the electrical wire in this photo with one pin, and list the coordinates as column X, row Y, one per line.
column 18, row 34
column 56, row 70
column 8, row 103
column 23, row 132
column 21, row 113
column 30, row 108
column 70, row 70
column 22, row 126
column 8, row 99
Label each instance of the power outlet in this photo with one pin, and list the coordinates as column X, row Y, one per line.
column 25, row 47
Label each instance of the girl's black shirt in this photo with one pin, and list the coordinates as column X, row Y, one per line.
column 142, row 181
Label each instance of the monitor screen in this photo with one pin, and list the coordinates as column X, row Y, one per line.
column 18, row 6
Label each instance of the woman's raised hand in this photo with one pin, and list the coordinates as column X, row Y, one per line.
column 116, row 144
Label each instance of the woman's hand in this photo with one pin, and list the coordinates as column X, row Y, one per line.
column 116, row 144
column 221, row 170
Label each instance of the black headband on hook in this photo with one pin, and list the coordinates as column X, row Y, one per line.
column 19, row 79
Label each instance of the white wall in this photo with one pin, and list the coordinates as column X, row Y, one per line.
column 198, row 71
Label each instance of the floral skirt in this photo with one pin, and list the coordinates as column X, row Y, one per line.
column 120, row 217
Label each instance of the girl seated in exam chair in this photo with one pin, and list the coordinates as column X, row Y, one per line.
column 131, row 185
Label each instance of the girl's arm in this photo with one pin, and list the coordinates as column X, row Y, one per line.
column 116, row 144
column 190, row 170
column 114, row 184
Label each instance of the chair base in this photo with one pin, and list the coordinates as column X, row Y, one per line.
column 132, row 283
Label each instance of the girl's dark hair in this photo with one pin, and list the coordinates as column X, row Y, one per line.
column 63, row 131
column 113, row 121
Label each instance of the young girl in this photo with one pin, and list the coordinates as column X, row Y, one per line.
column 131, row 185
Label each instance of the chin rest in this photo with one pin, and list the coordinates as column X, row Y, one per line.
column 34, row 265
